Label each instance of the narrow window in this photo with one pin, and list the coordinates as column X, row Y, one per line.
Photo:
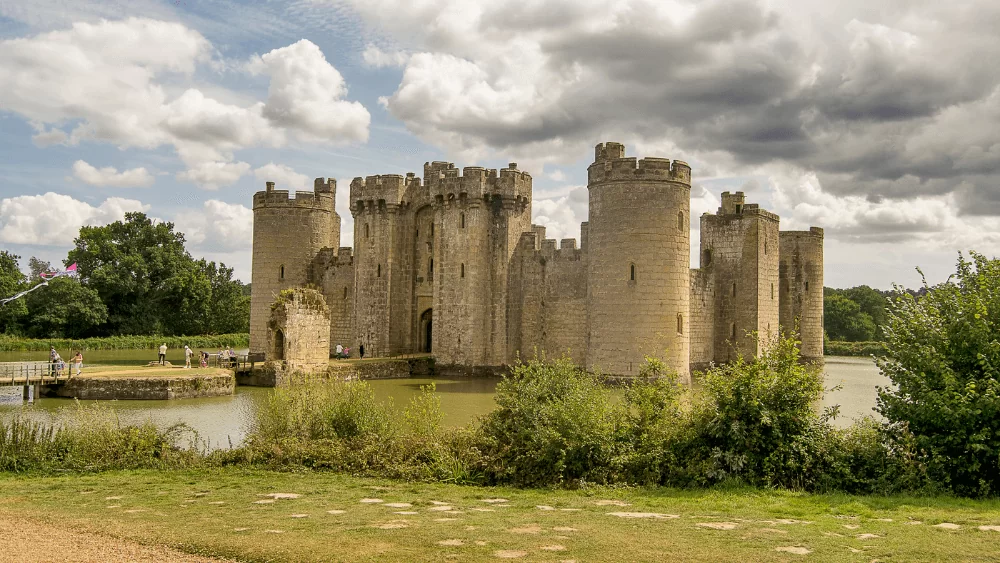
column 772, row 290
column 463, row 270
column 432, row 229
column 366, row 230
column 807, row 286
column 733, row 331
column 463, row 220
column 680, row 323
column 680, row 220
column 765, row 247
column 378, row 272
column 430, row 267
column 734, row 289
column 706, row 258
column 631, row 272
column 281, row 272
column 345, row 292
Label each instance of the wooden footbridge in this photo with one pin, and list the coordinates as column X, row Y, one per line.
column 31, row 376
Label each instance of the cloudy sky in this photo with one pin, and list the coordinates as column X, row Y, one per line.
column 879, row 121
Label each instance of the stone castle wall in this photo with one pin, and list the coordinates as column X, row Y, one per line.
column 299, row 331
column 450, row 263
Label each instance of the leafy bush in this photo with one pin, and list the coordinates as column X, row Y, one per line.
column 943, row 358
column 554, row 424
column 15, row 344
column 91, row 439
column 756, row 419
column 839, row 348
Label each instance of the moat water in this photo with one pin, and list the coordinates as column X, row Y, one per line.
column 223, row 421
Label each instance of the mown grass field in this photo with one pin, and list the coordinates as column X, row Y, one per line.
column 227, row 513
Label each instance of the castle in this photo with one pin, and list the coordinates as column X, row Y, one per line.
column 452, row 265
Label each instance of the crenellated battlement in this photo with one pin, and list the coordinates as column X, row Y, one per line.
column 378, row 191
column 444, row 182
column 611, row 164
column 319, row 200
column 541, row 248
column 734, row 206
column 813, row 232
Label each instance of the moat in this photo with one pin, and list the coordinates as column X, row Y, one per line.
column 222, row 420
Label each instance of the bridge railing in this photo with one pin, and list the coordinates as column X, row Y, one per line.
column 21, row 373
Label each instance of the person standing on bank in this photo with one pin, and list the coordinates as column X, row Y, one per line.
column 52, row 360
column 163, row 353
column 361, row 351
column 187, row 356
column 78, row 362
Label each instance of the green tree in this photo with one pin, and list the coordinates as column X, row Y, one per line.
column 11, row 282
column 36, row 266
column 230, row 303
column 943, row 358
column 64, row 309
column 843, row 319
column 873, row 303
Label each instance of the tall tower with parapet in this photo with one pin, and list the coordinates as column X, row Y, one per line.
column 801, row 281
column 638, row 240
column 740, row 245
column 288, row 232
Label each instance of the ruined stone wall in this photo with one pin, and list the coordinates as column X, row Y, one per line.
column 299, row 330
column 337, row 282
column 702, row 317
column 288, row 232
column 801, row 288
column 639, row 222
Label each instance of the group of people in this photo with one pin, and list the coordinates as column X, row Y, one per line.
column 344, row 353
column 57, row 365
column 227, row 357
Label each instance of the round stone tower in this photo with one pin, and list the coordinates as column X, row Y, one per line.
column 638, row 273
column 288, row 232
column 800, row 279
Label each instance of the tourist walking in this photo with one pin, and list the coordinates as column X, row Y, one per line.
column 59, row 364
column 340, row 351
column 78, row 362
column 188, row 352
column 361, row 351
column 163, row 353
column 52, row 360
column 204, row 359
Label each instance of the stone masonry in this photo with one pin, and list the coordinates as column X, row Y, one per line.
column 298, row 331
column 450, row 264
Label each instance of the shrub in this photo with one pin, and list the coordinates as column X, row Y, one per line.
column 554, row 424
column 756, row 419
column 943, row 358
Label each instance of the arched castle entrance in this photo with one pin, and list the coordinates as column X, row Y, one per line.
column 426, row 326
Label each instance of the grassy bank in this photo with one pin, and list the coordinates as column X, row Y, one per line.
column 837, row 348
column 16, row 344
column 221, row 513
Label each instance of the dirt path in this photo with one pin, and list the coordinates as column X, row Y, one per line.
column 31, row 541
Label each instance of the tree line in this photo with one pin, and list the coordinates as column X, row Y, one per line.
column 859, row 314
column 135, row 278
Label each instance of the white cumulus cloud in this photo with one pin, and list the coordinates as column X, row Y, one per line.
column 217, row 226
column 283, row 177
column 214, row 175
column 111, row 177
column 306, row 94
column 55, row 219
column 377, row 58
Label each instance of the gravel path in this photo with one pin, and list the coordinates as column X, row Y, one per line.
column 30, row 541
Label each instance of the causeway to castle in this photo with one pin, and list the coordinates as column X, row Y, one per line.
column 450, row 264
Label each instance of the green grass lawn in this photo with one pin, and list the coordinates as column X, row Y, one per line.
column 226, row 513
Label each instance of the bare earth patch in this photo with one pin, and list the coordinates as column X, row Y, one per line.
column 529, row 529
column 370, row 501
column 439, row 503
column 446, row 519
column 611, row 503
column 545, row 507
column 406, row 512
column 112, row 498
column 989, row 528
column 509, row 553
column 654, row 515
column 283, row 496
column 393, row 525
column 336, row 511
column 274, row 531
column 553, row 548
column 495, row 500
column 947, row 526
column 265, row 501
column 35, row 541
column 794, row 549
column 868, row 536
column 451, row 542
column 217, row 502
column 482, row 510
column 563, row 529
column 440, row 508
column 717, row 525
column 851, row 526
column 398, row 504
column 298, row 516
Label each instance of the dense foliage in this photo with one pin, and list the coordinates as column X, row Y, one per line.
column 210, row 342
column 943, row 358
column 856, row 314
column 136, row 278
